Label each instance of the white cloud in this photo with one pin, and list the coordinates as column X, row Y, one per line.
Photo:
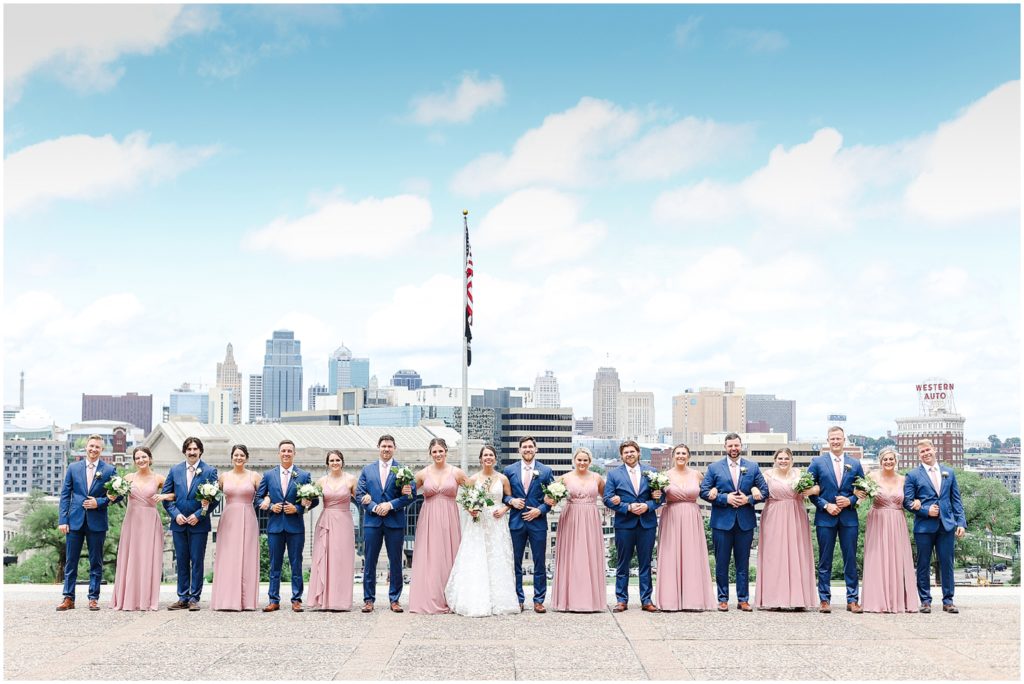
column 81, row 44
column 369, row 227
column 686, row 33
column 972, row 164
column 539, row 227
column 461, row 104
column 758, row 41
column 83, row 167
column 596, row 141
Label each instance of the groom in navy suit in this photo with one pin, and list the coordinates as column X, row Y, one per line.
column 931, row 492
column 636, row 524
column 285, row 528
column 384, row 521
column 190, row 524
column 83, row 518
column 728, row 485
column 528, row 518
column 835, row 515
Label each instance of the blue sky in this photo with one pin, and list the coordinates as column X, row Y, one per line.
column 820, row 202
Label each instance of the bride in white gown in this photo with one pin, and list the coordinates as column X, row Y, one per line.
column 482, row 581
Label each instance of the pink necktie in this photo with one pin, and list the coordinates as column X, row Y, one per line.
column 284, row 482
column 935, row 479
column 383, row 474
column 191, row 474
column 91, row 475
column 634, row 475
column 734, row 470
column 837, row 464
column 527, row 479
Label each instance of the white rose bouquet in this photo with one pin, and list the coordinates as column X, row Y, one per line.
column 118, row 486
column 310, row 490
column 207, row 492
column 866, row 485
column 656, row 481
column 403, row 476
column 474, row 498
column 556, row 491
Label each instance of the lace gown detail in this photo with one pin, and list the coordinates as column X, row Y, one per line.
column 482, row 581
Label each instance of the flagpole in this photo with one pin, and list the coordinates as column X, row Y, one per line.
column 465, row 345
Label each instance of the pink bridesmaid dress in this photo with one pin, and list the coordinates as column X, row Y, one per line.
column 684, row 574
column 785, row 563
column 890, row 580
column 334, row 552
column 139, row 552
column 438, row 534
column 236, row 567
column 579, row 584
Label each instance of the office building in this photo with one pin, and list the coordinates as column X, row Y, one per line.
column 583, row 426
column 407, row 378
column 635, row 416
column 606, row 402
column 551, row 427
column 221, row 410
column 345, row 370
column 707, row 411
column 255, row 398
column 185, row 401
column 229, row 378
column 282, row 375
column 545, row 391
column 31, row 464
column 937, row 420
column 128, row 408
column 765, row 413
column 314, row 391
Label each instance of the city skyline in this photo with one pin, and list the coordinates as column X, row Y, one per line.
column 820, row 202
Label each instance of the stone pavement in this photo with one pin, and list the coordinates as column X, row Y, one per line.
column 981, row 643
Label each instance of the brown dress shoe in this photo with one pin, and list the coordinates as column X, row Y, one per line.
column 619, row 607
column 723, row 606
column 649, row 608
column 854, row 607
column 744, row 606
column 67, row 604
column 950, row 608
column 825, row 607
column 193, row 605
column 396, row 607
column 539, row 608
column 178, row 605
column 296, row 606
column 367, row 607
column 94, row 604
column 522, row 607
column 925, row 608
column 271, row 607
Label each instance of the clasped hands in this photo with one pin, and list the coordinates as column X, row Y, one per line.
column 530, row 512
column 933, row 511
column 737, row 499
column 636, row 508
column 836, row 508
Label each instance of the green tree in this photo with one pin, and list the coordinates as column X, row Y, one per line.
column 994, row 441
column 1011, row 442
column 39, row 531
column 39, row 568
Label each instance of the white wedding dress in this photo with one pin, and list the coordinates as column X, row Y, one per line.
column 483, row 581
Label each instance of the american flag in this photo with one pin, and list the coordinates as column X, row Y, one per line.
column 469, row 297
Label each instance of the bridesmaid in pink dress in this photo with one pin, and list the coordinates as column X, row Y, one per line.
column 785, row 564
column 579, row 585
column 140, row 550
column 334, row 540
column 890, row 582
column 684, row 574
column 236, row 567
column 438, row 532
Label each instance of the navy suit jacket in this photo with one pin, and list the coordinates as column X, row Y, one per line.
column 724, row 516
column 823, row 473
column 185, row 501
column 951, row 509
column 542, row 475
column 369, row 483
column 270, row 486
column 618, row 483
column 74, row 492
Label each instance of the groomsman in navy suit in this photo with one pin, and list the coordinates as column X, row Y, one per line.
column 636, row 524
column 835, row 515
column 190, row 524
column 528, row 519
column 383, row 522
column 728, row 485
column 931, row 492
column 82, row 517
column 285, row 528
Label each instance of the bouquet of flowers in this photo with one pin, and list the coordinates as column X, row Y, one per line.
column 866, row 485
column 656, row 481
column 403, row 476
column 310, row 490
column 474, row 498
column 556, row 491
column 805, row 482
column 118, row 485
column 208, row 492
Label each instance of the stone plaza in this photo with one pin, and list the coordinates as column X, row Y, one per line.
column 981, row 643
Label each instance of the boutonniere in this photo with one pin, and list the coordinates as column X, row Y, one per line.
column 198, row 470
column 743, row 470
column 847, row 467
column 945, row 474
column 98, row 475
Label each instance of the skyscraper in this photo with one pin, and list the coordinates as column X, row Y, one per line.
column 710, row 410
column 545, row 391
column 222, row 406
column 255, row 398
column 407, row 377
column 606, row 401
column 185, row 401
column 777, row 415
column 313, row 392
column 635, row 415
column 229, row 378
column 130, row 408
column 345, row 370
column 282, row 375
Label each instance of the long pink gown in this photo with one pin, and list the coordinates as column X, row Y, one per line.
column 334, row 552
column 684, row 574
column 785, row 563
column 438, row 534
column 139, row 552
column 236, row 567
column 890, row 580
column 579, row 584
